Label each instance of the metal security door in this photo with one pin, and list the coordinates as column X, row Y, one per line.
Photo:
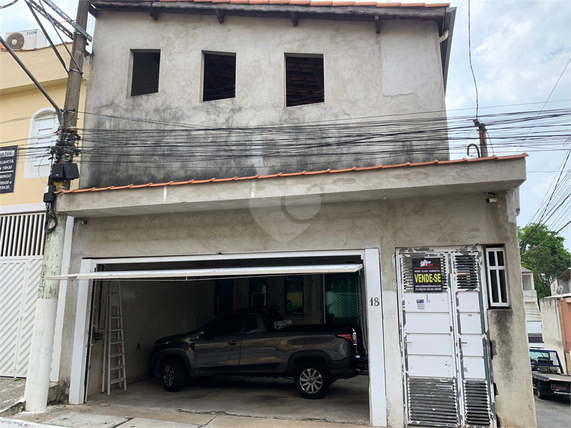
column 477, row 408
column 445, row 358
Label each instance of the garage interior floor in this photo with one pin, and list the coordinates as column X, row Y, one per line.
column 347, row 400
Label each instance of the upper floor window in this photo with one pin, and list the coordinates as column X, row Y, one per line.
column 145, row 73
column 219, row 76
column 304, row 79
column 42, row 136
column 496, row 273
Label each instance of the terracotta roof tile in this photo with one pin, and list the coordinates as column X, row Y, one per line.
column 314, row 3
column 295, row 174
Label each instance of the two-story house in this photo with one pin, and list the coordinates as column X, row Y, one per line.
column 241, row 153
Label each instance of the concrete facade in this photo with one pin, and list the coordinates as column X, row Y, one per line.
column 441, row 220
column 396, row 70
column 396, row 74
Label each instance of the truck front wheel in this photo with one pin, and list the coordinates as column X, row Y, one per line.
column 312, row 380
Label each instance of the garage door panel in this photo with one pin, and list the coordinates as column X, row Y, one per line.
column 470, row 323
column 429, row 344
column 424, row 302
column 474, row 367
column 472, row 345
column 427, row 323
column 431, row 366
column 468, row 301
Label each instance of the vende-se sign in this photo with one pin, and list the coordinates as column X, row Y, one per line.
column 8, row 156
column 427, row 275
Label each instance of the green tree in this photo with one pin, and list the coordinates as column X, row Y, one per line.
column 544, row 253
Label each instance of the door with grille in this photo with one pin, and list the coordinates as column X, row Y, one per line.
column 444, row 338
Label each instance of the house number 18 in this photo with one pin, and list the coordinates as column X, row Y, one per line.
column 375, row 301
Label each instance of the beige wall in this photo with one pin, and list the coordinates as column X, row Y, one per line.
column 555, row 321
column 454, row 220
column 20, row 101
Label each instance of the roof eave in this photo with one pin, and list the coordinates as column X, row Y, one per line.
column 305, row 11
column 367, row 184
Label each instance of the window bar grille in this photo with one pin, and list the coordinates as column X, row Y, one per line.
column 21, row 235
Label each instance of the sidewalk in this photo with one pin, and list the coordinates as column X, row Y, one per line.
column 126, row 417
column 214, row 403
column 11, row 392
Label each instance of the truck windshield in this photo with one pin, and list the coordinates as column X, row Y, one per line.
column 544, row 360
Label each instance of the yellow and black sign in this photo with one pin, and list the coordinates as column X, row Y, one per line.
column 427, row 275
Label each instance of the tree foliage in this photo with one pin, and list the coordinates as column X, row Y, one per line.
column 544, row 253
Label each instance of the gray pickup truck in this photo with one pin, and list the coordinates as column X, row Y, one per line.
column 261, row 343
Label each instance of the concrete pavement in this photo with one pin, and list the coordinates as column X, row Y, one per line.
column 11, row 392
column 215, row 403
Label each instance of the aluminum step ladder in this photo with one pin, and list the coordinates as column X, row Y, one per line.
column 114, row 367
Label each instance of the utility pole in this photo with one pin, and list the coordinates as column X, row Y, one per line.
column 482, row 133
column 38, row 378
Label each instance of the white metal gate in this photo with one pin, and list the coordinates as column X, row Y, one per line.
column 446, row 357
column 21, row 249
column 18, row 296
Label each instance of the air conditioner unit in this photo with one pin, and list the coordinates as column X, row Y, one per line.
column 30, row 39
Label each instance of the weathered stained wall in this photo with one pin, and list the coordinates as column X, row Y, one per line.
column 453, row 220
column 393, row 74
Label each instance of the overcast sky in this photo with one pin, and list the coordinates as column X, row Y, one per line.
column 519, row 51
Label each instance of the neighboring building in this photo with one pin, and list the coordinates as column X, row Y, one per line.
column 562, row 285
column 28, row 126
column 556, row 319
column 532, row 314
column 285, row 151
column 556, row 326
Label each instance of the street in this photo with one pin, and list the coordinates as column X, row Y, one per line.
column 553, row 413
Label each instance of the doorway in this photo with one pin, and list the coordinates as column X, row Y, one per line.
column 446, row 355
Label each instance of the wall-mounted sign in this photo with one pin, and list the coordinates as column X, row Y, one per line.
column 427, row 275
column 8, row 156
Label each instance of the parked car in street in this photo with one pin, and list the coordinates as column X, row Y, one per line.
column 259, row 342
column 547, row 372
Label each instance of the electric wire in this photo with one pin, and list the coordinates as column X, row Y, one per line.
column 547, row 100
column 12, row 3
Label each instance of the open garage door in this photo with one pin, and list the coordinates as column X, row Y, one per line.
column 162, row 298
